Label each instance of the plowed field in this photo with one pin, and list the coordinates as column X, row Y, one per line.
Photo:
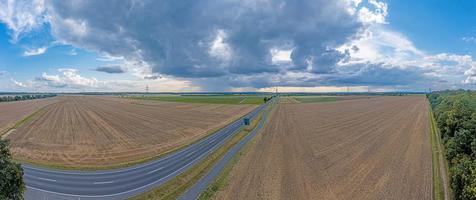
column 87, row 131
column 14, row 111
column 374, row 148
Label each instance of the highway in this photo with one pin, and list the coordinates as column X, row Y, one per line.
column 202, row 184
column 45, row 183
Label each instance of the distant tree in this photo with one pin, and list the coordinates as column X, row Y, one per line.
column 11, row 175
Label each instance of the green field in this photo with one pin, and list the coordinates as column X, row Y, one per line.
column 213, row 99
column 312, row 99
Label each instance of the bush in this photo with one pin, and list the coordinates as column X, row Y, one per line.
column 455, row 113
column 11, row 175
column 464, row 179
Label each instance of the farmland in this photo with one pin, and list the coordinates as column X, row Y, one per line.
column 99, row 131
column 213, row 99
column 15, row 111
column 314, row 99
column 377, row 148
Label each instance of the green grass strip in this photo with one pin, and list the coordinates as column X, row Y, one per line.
column 206, row 99
column 23, row 121
column 437, row 154
column 86, row 168
column 223, row 177
column 178, row 185
column 438, row 193
column 316, row 99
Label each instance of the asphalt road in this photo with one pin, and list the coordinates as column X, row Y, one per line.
column 44, row 183
column 202, row 184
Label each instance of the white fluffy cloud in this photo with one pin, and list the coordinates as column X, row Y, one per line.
column 22, row 16
column 35, row 52
column 18, row 83
column 68, row 79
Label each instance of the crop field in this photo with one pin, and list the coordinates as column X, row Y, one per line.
column 98, row 131
column 377, row 148
column 313, row 99
column 14, row 111
column 212, row 99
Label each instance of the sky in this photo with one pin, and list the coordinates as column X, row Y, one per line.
column 237, row 45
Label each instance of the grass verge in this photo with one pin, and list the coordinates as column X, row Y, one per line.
column 176, row 186
column 440, row 180
column 23, row 121
column 223, row 177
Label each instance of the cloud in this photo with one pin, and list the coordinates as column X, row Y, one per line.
column 205, row 41
column 108, row 58
column 72, row 52
column 386, row 48
column 219, row 45
column 67, row 78
column 22, row 16
column 35, row 52
column 469, row 39
column 152, row 77
column 111, row 69
column 18, row 83
column 70, row 80
column 378, row 15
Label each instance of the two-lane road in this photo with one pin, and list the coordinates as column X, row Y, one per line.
column 122, row 183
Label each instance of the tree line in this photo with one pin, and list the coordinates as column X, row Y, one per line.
column 24, row 97
column 455, row 113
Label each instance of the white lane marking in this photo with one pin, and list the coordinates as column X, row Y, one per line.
column 125, row 192
column 155, row 170
column 129, row 191
column 46, row 179
column 104, row 182
column 171, row 156
column 212, row 141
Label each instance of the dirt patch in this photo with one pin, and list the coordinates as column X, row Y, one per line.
column 88, row 131
column 14, row 111
column 376, row 148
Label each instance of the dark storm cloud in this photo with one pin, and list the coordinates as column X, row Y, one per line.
column 208, row 38
column 222, row 44
column 112, row 69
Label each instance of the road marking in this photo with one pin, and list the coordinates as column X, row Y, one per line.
column 155, row 170
column 104, row 182
column 212, row 141
column 171, row 156
column 47, row 179
column 189, row 154
column 135, row 189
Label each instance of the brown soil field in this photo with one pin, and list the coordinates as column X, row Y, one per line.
column 14, row 111
column 99, row 131
column 376, row 148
